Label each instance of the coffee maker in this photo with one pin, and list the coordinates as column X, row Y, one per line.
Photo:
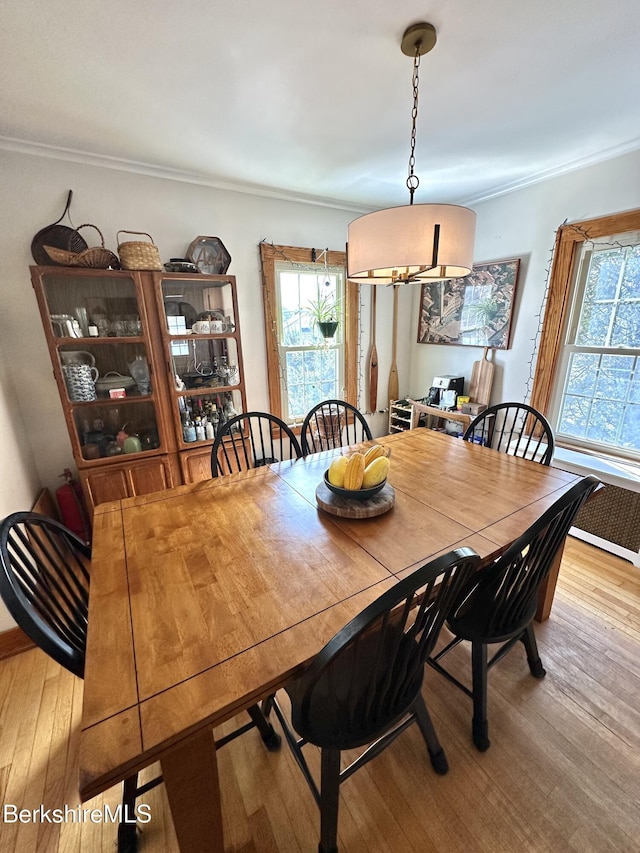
column 441, row 384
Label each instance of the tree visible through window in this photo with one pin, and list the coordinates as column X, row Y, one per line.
column 598, row 384
column 312, row 366
column 304, row 367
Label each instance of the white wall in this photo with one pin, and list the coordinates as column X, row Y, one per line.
column 35, row 448
column 34, row 192
column 522, row 225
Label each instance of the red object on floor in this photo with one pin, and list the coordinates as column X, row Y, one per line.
column 72, row 509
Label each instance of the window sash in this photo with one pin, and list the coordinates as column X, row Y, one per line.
column 270, row 256
column 313, row 346
column 595, row 403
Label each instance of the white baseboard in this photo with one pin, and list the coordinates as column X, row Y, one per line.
column 611, row 547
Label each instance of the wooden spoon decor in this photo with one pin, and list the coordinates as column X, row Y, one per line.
column 373, row 359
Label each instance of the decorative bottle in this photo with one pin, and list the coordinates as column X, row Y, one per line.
column 188, row 429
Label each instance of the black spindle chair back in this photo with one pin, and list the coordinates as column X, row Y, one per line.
column 333, row 423
column 45, row 585
column 516, row 429
column 364, row 686
column 498, row 604
column 250, row 440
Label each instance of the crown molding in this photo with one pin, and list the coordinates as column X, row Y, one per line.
column 103, row 161
column 556, row 171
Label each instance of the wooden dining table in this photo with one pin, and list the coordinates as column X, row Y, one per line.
column 206, row 598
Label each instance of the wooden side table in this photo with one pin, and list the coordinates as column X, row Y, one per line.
column 435, row 412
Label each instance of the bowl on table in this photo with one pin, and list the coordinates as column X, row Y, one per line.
column 353, row 494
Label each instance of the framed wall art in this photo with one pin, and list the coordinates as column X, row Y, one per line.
column 472, row 311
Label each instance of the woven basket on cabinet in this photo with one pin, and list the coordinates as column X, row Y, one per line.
column 137, row 254
column 96, row 257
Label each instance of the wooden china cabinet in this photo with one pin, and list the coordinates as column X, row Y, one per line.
column 140, row 358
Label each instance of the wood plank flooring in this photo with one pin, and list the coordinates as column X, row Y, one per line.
column 562, row 773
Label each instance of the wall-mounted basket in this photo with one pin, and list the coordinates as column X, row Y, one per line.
column 96, row 257
column 137, row 254
column 57, row 236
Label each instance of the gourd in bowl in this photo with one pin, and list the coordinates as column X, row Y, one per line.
column 359, row 476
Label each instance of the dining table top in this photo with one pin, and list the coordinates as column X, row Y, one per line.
column 207, row 597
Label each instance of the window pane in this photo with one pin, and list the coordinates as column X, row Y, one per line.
column 594, row 324
column 605, row 420
column 630, row 287
column 630, row 436
column 574, row 416
column 296, row 402
column 312, row 376
column 626, row 325
column 294, row 368
column 604, row 272
column 614, row 377
column 583, row 370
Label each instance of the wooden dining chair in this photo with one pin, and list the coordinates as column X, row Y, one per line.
column 250, row 440
column 499, row 603
column 44, row 583
column 364, row 686
column 333, row 423
column 514, row 428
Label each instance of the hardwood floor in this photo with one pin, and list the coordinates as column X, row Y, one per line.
column 562, row 773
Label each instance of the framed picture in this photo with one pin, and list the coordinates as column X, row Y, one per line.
column 472, row 311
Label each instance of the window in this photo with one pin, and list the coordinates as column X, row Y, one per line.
column 588, row 370
column 599, row 373
column 305, row 368
column 312, row 367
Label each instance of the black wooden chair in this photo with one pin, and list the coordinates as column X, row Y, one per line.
column 333, row 423
column 250, row 440
column 364, row 686
column 514, row 428
column 498, row 604
column 44, row 583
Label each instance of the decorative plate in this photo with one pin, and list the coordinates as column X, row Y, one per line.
column 209, row 255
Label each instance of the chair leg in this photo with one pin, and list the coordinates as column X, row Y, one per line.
column 270, row 737
column 127, row 829
column 528, row 640
column 329, row 800
column 479, row 669
column 436, row 752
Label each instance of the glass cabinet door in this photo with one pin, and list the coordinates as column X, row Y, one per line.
column 202, row 341
column 98, row 336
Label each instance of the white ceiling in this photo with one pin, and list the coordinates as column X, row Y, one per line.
column 314, row 99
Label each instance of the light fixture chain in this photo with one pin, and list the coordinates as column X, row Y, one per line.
column 413, row 181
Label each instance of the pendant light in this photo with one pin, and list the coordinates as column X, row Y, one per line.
column 414, row 242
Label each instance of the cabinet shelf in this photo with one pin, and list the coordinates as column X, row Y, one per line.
column 159, row 309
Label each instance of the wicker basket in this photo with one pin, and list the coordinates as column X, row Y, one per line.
column 96, row 258
column 57, row 236
column 137, row 254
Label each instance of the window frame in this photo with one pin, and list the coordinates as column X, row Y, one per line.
column 270, row 255
column 568, row 246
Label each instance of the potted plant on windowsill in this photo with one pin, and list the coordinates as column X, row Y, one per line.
column 325, row 312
